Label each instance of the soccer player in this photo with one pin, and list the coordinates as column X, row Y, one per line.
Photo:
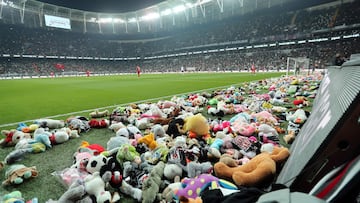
column 138, row 71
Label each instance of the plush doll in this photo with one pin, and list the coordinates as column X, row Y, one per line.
column 74, row 193
column 158, row 131
column 298, row 117
column 192, row 187
column 195, row 168
column 94, row 149
column 99, row 114
column 267, row 133
column 168, row 194
column 126, row 152
column 116, row 126
column 214, row 148
column 149, row 141
column 17, row 173
column 37, row 145
column 81, row 160
column 257, row 171
column 151, row 185
column 56, row 137
column 228, row 160
column 16, row 197
column 243, row 128
column 95, row 185
column 197, row 126
column 175, row 127
column 72, row 133
column 264, row 117
column 50, row 123
column 79, row 123
column 114, row 170
column 12, row 137
column 290, row 137
column 128, row 132
column 103, row 123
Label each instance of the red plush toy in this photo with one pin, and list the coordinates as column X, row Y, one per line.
column 103, row 123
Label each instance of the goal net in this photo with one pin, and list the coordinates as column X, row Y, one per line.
column 297, row 65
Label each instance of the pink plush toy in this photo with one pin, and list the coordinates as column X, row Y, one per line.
column 243, row 128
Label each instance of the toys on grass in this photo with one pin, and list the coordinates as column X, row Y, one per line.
column 99, row 114
column 151, row 185
column 50, row 123
column 149, row 141
column 257, row 171
column 175, row 127
column 17, row 173
column 16, row 197
column 103, row 123
column 197, row 126
column 79, row 123
column 27, row 129
column 12, row 137
column 192, row 187
column 94, row 149
column 56, row 137
column 95, row 185
column 128, row 131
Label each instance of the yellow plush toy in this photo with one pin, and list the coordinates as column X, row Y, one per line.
column 149, row 140
column 259, row 169
column 197, row 126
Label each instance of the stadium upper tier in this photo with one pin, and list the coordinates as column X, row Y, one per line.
column 250, row 29
column 281, row 33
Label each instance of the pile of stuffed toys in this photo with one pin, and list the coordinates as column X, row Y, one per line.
column 175, row 150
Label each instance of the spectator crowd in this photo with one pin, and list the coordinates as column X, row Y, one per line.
column 249, row 30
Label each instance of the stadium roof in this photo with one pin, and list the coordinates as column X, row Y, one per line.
column 105, row 6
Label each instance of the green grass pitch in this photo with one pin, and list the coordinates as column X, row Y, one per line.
column 30, row 99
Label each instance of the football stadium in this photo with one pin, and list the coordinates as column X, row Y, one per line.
column 179, row 101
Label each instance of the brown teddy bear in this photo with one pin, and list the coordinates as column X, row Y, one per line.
column 255, row 172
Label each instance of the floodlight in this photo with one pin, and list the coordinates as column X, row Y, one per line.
column 118, row 20
column 166, row 12
column 132, row 20
column 178, row 9
column 150, row 16
column 105, row 20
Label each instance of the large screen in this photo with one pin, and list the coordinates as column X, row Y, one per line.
column 58, row 22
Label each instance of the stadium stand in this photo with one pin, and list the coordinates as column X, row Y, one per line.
column 29, row 51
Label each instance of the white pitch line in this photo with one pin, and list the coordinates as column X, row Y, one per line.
column 113, row 106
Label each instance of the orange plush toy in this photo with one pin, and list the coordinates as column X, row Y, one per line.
column 258, row 170
column 149, row 140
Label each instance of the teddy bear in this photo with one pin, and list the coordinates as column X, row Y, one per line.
column 149, row 141
column 257, row 171
column 126, row 152
column 12, row 137
column 151, row 185
column 129, row 131
column 56, row 137
column 103, row 123
column 290, row 137
column 79, row 123
column 95, row 185
column 99, row 114
column 175, row 126
column 17, row 173
column 50, row 123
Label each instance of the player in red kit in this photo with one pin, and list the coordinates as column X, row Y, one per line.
column 138, row 71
